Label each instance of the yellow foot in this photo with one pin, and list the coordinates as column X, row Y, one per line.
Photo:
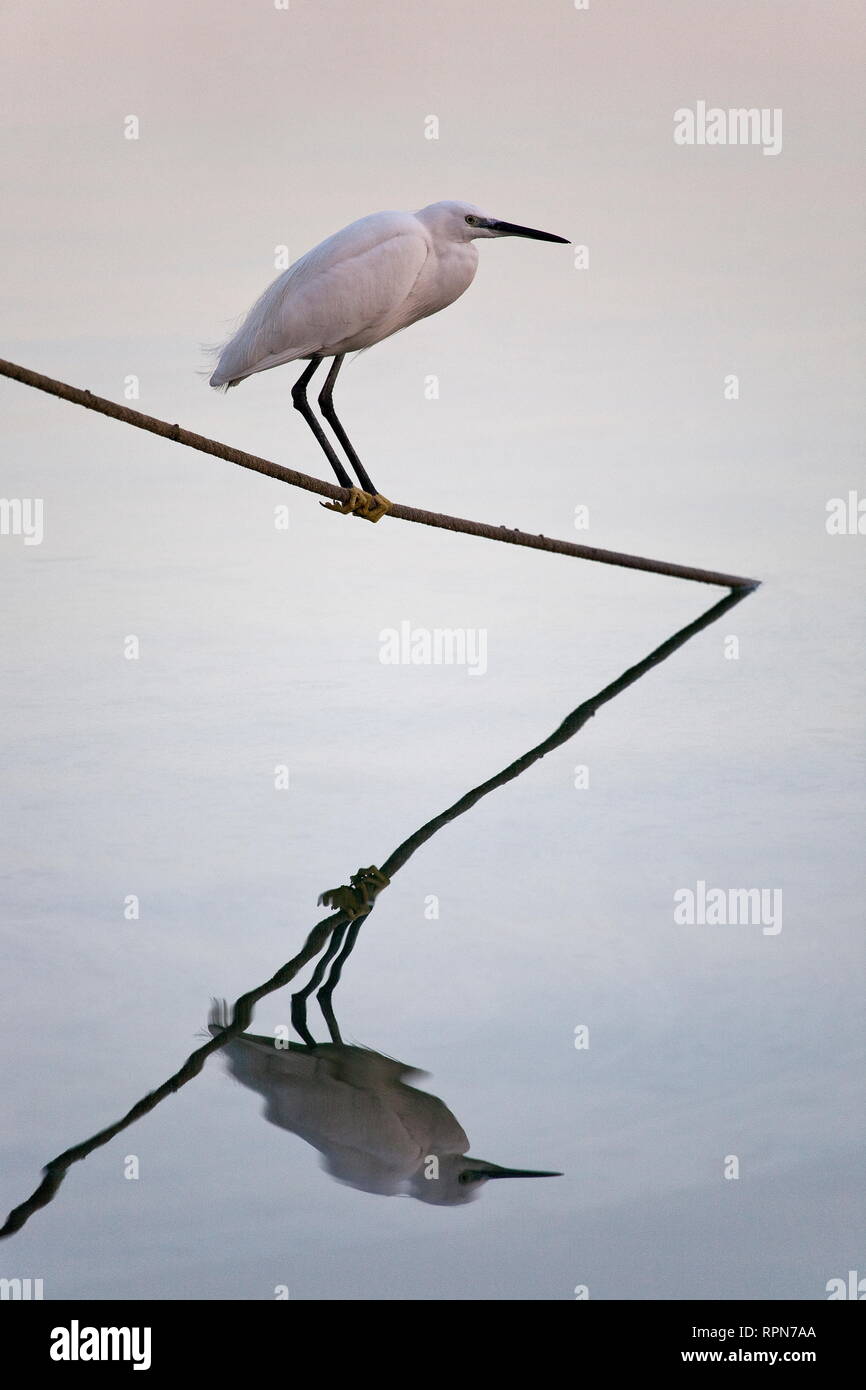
column 378, row 507
column 370, row 507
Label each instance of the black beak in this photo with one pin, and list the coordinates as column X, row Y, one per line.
column 510, row 229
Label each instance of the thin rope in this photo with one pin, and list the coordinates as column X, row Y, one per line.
column 401, row 513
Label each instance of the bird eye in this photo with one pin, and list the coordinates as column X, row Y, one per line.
column 473, row 221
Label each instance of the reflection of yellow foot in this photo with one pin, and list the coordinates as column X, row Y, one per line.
column 358, row 895
column 371, row 507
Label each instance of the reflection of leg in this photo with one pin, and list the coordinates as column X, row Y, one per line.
column 324, row 994
column 299, row 1000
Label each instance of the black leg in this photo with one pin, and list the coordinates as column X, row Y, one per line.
column 324, row 994
column 326, row 405
column 299, row 398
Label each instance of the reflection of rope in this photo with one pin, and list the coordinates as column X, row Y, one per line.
column 365, row 884
column 342, row 494
column 566, row 730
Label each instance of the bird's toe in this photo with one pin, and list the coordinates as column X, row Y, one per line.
column 378, row 506
column 356, row 502
column 368, row 506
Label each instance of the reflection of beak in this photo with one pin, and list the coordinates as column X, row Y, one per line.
column 492, row 1170
column 509, row 229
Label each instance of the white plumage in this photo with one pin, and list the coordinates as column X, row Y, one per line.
column 359, row 286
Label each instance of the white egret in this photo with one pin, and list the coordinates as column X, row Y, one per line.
column 357, row 287
column 374, row 1132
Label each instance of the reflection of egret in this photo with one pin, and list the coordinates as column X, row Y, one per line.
column 374, row 1131
column 362, row 284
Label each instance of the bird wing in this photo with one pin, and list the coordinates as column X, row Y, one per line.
column 350, row 288
column 422, row 1112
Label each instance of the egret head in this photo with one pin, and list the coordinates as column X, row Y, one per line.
column 465, row 222
column 460, row 1179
